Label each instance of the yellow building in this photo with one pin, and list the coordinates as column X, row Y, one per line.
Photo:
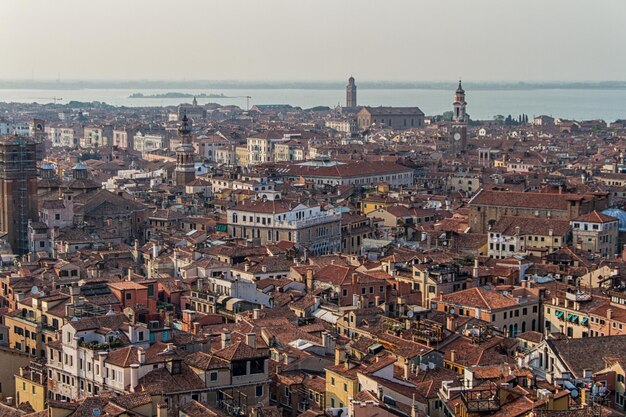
column 10, row 361
column 614, row 374
column 35, row 323
column 342, row 382
column 242, row 155
column 31, row 386
column 374, row 201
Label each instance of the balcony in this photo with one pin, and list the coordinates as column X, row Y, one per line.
column 322, row 218
column 578, row 296
column 97, row 346
column 482, row 400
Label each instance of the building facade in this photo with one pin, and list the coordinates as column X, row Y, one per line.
column 272, row 221
column 390, row 117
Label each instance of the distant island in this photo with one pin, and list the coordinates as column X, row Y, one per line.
column 177, row 95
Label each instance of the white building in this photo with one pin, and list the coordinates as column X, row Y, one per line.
column 85, row 359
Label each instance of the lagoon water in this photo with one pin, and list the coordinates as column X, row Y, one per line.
column 578, row 104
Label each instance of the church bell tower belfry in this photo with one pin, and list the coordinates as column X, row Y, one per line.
column 351, row 94
column 458, row 127
column 185, row 166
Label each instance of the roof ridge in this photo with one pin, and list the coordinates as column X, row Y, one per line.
column 483, row 297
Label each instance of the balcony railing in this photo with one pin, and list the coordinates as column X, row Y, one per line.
column 311, row 221
column 578, row 296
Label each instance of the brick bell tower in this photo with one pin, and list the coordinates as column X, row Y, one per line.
column 185, row 167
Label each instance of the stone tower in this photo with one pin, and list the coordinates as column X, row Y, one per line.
column 185, row 167
column 351, row 94
column 458, row 128
column 18, row 189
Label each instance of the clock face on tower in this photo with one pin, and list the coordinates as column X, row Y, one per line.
column 457, row 136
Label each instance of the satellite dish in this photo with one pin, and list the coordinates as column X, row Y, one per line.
column 574, row 393
column 431, row 365
column 451, row 311
column 34, row 290
column 410, row 314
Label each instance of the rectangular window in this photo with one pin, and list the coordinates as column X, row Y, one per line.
column 240, row 368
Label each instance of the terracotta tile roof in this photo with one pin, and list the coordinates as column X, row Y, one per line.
column 575, row 352
column 525, row 200
column 196, row 409
column 240, row 350
column 479, row 297
column 111, row 322
column 205, row 361
column 507, row 226
column 159, row 381
column 595, row 217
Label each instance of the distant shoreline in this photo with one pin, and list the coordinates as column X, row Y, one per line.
column 177, row 95
column 301, row 85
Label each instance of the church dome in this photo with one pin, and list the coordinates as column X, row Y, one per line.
column 620, row 215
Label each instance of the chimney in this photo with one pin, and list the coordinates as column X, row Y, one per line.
column 251, row 340
column 74, row 292
column 406, row 369
column 162, row 410
column 255, row 313
column 130, row 274
column 450, row 323
column 524, row 283
column 309, row 279
column 195, row 327
column 133, row 376
column 475, row 270
column 355, row 278
column 377, row 300
column 355, row 299
column 453, row 356
column 264, row 268
column 246, row 267
column 329, row 342
column 340, row 355
column 141, row 356
column 225, row 339
column 609, row 314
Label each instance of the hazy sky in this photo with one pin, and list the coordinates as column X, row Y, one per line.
column 392, row 40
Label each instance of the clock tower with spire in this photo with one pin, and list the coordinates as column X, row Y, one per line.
column 458, row 127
